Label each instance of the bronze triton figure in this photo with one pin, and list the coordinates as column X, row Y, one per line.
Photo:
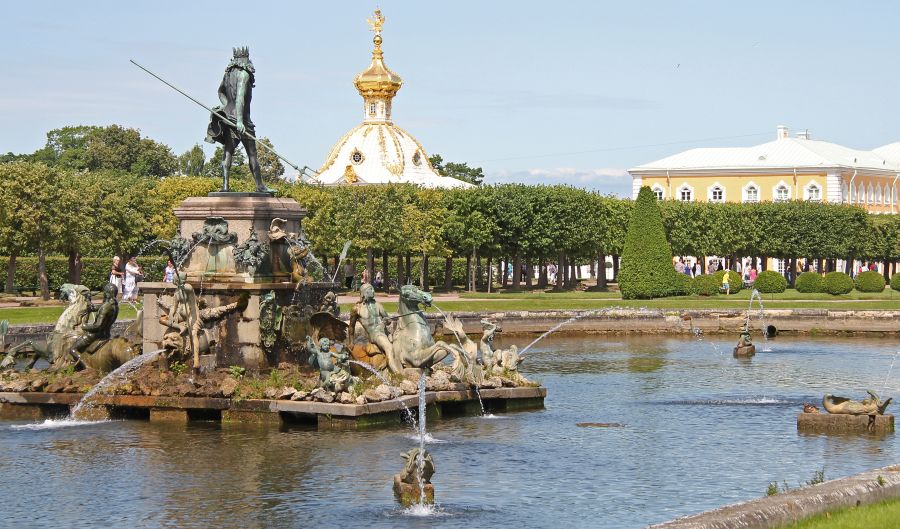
column 235, row 93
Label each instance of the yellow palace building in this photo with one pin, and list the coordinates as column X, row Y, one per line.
column 788, row 168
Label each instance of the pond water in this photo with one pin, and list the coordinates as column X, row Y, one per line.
column 702, row 429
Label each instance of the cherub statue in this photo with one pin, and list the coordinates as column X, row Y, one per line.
column 320, row 357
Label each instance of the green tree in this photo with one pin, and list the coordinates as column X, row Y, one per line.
column 192, row 161
column 647, row 270
column 34, row 191
column 460, row 171
column 113, row 147
column 169, row 193
column 270, row 166
column 239, row 168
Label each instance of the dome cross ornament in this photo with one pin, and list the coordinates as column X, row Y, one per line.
column 376, row 22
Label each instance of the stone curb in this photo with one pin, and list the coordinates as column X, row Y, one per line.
column 776, row 511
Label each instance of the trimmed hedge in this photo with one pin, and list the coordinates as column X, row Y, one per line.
column 837, row 283
column 735, row 281
column 647, row 270
column 683, row 284
column 869, row 282
column 706, row 285
column 770, row 282
column 810, row 283
column 895, row 281
column 94, row 271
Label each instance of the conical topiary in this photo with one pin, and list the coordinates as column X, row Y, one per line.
column 647, row 270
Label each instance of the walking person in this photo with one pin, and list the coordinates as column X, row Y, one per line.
column 115, row 274
column 133, row 274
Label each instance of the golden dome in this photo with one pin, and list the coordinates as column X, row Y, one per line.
column 377, row 80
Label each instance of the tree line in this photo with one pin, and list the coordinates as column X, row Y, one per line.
column 103, row 191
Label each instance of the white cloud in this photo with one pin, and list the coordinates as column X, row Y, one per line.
column 605, row 179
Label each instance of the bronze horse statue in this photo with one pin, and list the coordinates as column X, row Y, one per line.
column 413, row 345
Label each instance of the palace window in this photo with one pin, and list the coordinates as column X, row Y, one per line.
column 685, row 194
column 870, row 196
column 717, row 194
column 356, row 157
column 658, row 193
column 372, row 108
column 782, row 193
column 417, row 158
column 878, row 194
column 814, row 193
column 752, row 194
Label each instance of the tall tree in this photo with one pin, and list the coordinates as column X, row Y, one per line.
column 460, row 171
column 192, row 161
column 270, row 167
column 34, row 189
column 647, row 270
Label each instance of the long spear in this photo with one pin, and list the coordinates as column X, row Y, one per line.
column 305, row 170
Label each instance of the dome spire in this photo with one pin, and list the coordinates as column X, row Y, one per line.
column 377, row 84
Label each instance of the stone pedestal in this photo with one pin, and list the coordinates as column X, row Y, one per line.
column 409, row 494
column 841, row 423
column 214, row 227
column 215, row 262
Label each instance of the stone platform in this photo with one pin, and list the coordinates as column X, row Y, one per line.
column 323, row 416
column 839, row 423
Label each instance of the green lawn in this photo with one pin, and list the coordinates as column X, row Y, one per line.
column 480, row 301
column 26, row 315
column 716, row 302
column 887, row 294
column 876, row 516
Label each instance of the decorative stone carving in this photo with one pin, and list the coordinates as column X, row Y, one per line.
column 251, row 253
column 415, row 474
column 843, row 405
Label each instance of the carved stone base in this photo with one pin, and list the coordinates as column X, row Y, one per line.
column 839, row 423
column 243, row 212
column 236, row 339
column 409, row 494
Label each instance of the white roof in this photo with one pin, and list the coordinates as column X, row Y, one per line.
column 781, row 153
column 389, row 155
column 890, row 152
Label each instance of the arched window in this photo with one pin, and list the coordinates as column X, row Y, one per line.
column 814, row 192
column 782, row 193
column 659, row 192
column 716, row 194
column 685, row 193
column 878, row 194
column 870, row 195
column 844, row 192
column 860, row 194
column 751, row 193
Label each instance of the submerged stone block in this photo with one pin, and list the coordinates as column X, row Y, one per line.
column 19, row 412
column 168, row 415
column 410, row 494
column 840, row 423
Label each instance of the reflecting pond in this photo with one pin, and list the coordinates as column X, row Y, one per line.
column 701, row 429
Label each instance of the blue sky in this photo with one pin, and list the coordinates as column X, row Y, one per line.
column 571, row 92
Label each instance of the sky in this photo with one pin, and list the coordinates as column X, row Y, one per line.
column 533, row 92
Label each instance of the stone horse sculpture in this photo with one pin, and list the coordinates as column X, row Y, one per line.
column 59, row 347
column 412, row 343
column 842, row 405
